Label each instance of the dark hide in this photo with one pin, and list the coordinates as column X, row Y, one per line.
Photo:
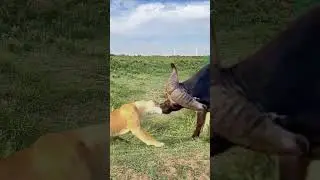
column 283, row 77
column 198, row 86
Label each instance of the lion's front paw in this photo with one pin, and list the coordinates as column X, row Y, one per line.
column 159, row 144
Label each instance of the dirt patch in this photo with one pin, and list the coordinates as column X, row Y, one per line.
column 197, row 165
column 121, row 172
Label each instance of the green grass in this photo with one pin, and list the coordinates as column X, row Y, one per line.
column 53, row 68
column 242, row 28
column 138, row 78
column 46, row 92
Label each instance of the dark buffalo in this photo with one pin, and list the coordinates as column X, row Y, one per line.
column 281, row 77
column 193, row 94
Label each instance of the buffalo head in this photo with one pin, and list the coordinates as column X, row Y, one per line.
column 177, row 96
column 238, row 115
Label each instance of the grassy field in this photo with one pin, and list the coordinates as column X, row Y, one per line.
column 53, row 68
column 137, row 78
column 48, row 92
column 242, row 28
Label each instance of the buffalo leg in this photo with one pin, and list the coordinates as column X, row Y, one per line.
column 293, row 167
column 201, row 116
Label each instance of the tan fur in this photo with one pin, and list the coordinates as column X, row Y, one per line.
column 79, row 154
column 128, row 119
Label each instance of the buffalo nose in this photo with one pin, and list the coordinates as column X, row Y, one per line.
column 164, row 112
column 204, row 107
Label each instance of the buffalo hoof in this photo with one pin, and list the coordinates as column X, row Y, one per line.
column 195, row 138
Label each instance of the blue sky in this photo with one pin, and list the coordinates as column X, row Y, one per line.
column 150, row 27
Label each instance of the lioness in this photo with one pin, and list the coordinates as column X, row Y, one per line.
column 79, row 154
column 128, row 118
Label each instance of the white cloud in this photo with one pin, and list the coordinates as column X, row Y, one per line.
column 158, row 28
